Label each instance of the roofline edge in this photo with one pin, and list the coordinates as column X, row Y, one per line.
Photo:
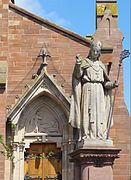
column 54, row 26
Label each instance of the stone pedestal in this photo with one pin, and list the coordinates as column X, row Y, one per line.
column 94, row 163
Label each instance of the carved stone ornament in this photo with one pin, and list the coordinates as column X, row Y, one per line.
column 95, row 156
column 41, row 116
column 21, row 147
column 15, row 146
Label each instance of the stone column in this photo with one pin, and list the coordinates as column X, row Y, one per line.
column 18, row 161
column 94, row 163
column 64, row 154
column 21, row 160
column 70, row 149
column 15, row 161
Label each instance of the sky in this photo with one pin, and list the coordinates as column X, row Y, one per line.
column 79, row 17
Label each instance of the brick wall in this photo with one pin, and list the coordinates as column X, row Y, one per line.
column 26, row 36
column 3, row 57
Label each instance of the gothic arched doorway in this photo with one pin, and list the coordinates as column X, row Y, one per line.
column 42, row 130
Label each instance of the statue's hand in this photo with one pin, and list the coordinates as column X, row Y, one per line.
column 78, row 59
column 115, row 84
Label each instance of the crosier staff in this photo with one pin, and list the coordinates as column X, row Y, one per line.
column 124, row 54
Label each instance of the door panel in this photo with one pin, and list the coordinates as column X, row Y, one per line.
column 46, row 163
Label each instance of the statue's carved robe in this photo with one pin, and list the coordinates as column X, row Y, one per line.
column 91, row 99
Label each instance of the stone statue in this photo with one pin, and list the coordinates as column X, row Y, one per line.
column 91, row 96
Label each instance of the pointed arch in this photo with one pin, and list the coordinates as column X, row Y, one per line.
column 44, row 114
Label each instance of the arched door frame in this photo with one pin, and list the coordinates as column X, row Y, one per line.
column 23, row 139
column 43, row 85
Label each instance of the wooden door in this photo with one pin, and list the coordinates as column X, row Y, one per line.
column 42, row 160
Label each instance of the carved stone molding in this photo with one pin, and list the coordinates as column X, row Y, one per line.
column 21, row 147
column 15, row 146
column 95, row 156
column 42, row 116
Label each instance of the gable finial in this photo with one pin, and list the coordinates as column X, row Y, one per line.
column 44, row 54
